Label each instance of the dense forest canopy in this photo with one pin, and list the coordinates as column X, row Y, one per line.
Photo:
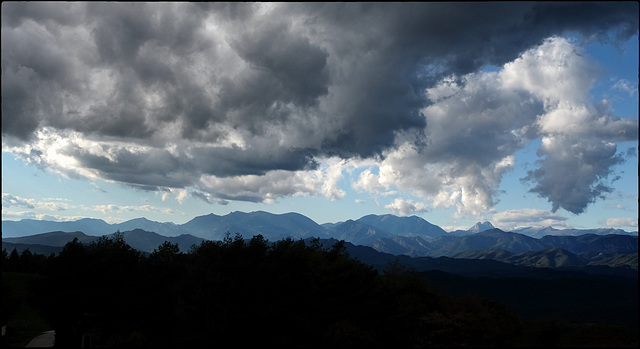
column 255, row 292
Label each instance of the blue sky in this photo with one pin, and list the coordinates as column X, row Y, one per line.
column 110, row 113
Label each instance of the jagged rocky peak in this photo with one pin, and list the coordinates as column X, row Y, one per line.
column 479, row 227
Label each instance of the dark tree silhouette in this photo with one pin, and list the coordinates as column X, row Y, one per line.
column 238, row 292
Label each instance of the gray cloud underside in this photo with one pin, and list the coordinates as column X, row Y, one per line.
column 576, row 175
column 263, row 87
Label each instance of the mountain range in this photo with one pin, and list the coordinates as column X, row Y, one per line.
column 406, row 237
column 276, row 226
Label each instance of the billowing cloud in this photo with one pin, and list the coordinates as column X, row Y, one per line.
column 9, row 200
column 255, row 101
column 578, row 138
column 402, row 207
column 574, row 172
column 266, row 188
column 478, row 121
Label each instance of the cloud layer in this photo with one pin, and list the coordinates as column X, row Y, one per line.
column 255, row 101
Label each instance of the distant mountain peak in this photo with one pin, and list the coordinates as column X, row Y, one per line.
column 479, row 227
column 403, row 226
column 141, row 219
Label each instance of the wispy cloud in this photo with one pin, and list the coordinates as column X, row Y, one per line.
column 518, row 218
column 623, row 222
column 129, row 208
column 47, row 208
column 626, row 86
column 11, row 215
column 11, row 201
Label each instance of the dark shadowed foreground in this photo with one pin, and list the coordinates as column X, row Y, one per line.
column 287, row 293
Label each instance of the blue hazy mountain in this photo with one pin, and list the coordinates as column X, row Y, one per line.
column 289, row 224
column 488, row 239
column 212, row 227
column 270, row 226
column 357, row 232
column 148, row 241
column 410, row 236
column 89, row 226
column 54, row 238
column 413, row 246
column 165, row 229
column 538, row 232
column 480, row 227
column 388, row 233
column 594, row 244
column 403, row 226
column 477, row 228
column 139, row 239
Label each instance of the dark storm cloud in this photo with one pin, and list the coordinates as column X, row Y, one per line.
column 297, row 67
column 120, row 32
column 43, row 12
column 258, row 86
column 153, row 169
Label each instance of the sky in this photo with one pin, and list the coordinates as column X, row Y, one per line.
column 521, row 114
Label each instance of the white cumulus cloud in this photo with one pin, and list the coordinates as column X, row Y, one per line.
column 404, row 207
column 623, row 222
